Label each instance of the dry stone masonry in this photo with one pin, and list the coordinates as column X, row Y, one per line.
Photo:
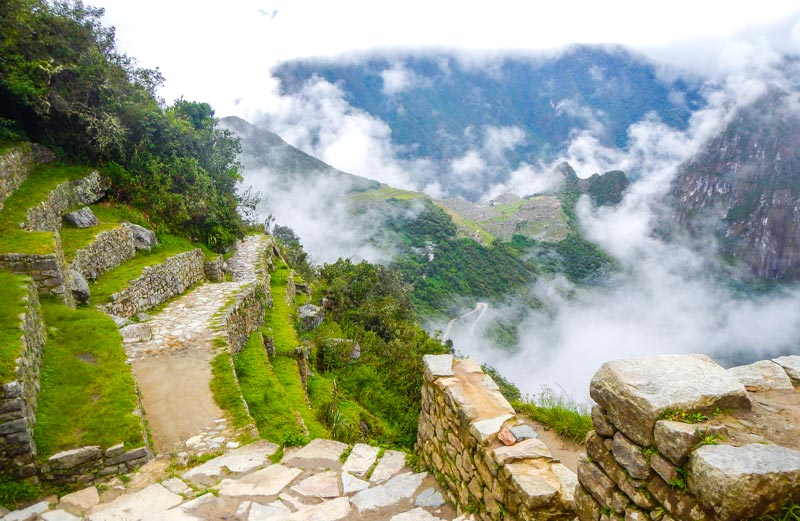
column 15, row 165
column 246, row 314
column 108, row 250
column 48, row 270
column 463, row 415
column 678, row 437
column 47, row 215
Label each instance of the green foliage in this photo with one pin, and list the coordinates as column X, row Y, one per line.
column 292, row 251
column 226, row 391
column 683, row 416
column 109, row 216
column 13, row 492
column 88, row 395
column 64, row 84
column 791, row 512
column 509, row 390
column 569, row 419
column 12, row 305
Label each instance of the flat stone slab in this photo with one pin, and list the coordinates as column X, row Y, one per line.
column 635, row 392
column 236, row 462
column 790, row 364
column 764, row 375
column 59, row 515
column 265, row 482
column 430, row 498
column 438, row 365
column 323, row 485
column 538, row 486
column 361, row 459
column 136, row 333
column 743, row 482
column 27, row 513
column 392, row 492
column 273, row 511
column 484, row 430
column 352, row 484
column 82, row 500
column 333, row 510
column 176, row 486
column 390, row 464
column 418, row 514
column 317, row 454
column 532, row 448
column 150, row 501
column 523, row 432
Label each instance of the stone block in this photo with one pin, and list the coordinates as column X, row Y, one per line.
column 602, row 426
column 19, row 425
column 532, row 448
column 791, row 365
column 595, row 448
column 586, row 507
column 635, row 392
column 523, row 432
column 537, row 487
column 83, row 218
column 437, row 366
column 630, row 456
column 744, row 482
column 675, row 440
column 677, row 502
column 143, row 239
column 764, row 375
column 601, row 487
column 485, row 430
column 664, row 468
column 115, row 450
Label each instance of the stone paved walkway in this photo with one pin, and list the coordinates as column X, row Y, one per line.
column 308, row 484
column 172, row 367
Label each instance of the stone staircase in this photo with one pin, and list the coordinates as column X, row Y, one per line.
column 308, row 484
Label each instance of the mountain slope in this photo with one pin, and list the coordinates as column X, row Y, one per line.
column 744, row 188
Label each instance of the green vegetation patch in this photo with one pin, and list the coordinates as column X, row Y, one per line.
column 88, row 393
column 385, row 193
column 226, row 390
column 571, row 420
column 108, row 216
column 11, row 306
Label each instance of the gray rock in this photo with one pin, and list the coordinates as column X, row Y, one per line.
column 485, row 430
column 676, row 439
column 120, row 321
column 569, row 482
column 310, row 317
column 390, row 464
column 537, row 486
column 72, row 458
column 143, row 317
column 437, row 365
column 79, row 287
column 28, row 513
column 430, row 498
column 664, row 468
column 635, row 392
column 630, row 456
column 83, row 218
column 333, row 510
column 82, row 500
column 264, row 482
column 531, row 448
column 352, row 484
column 764, row 375
column 394, row 491
column 585, row 505
column 274, row 511
column 143, row 239
column 523, row 432
column 317, row 454
column 176, row 486
column 417, row 514
column 790, row 364
column 322, row 485
column 361, row 459
column 151, row 501
column 59, row 515
column 234, row 463
column 136, row 333
column 600, row 422
column 743, row 482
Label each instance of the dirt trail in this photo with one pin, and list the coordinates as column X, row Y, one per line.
column 173, row 369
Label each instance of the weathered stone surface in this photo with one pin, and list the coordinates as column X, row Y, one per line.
column 568, row 480
column 585, row 506
column 71, row 458
column 635, row 392
column 310, row 316
column 437, row 365
column 418, row 514
column 333, row 510
column 83, row 218
column 143, row 239
column 28, row 513
column 743, row 482
column 361, row 459
column 47, row 215
column 790, row 364
column 389, row 493
column 676, row 439
column 136, row 333
column 523, row 432
column 234, row 463
column 390, row 464
column 600, row 486
column 430, row 498
column 352, row 484
column 764, row 375
column 317, row 454
column 484, row 430
column 323, row 485
column 597, row 450
column 635, row 515
column 538, row 487
column 677, row 502
column 601, row 423
column 176, row 486
column 120, row 321
column 81, row 501
column 664, row 468
column 532, row 448
column 150, row 501
column 58, row 515
column 506, row 437
column 630, row 456
column 264, row 482
column 273, row 511
column 79, row 287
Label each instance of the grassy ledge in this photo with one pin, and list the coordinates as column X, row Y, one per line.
column 11, row 306
column 88, row 393
column 226, row 391
column 570, row 420
column 108, row 217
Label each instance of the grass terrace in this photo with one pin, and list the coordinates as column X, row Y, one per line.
column 11, row 306
column 108, row 216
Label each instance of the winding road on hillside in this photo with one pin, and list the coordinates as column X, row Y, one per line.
column 480, row 309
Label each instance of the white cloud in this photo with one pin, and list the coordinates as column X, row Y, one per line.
column 398, row 79
column 499, row 140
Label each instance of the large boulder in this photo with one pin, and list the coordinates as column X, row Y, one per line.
column 310, row 317
column 143, row 239
column 83, row 218
column 764, row 375
column 635, row 393
column 79, row 287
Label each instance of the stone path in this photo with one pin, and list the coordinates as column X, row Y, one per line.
column 308, row 484
column 172, row 367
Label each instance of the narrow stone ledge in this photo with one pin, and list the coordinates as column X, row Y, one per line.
column 437, row 365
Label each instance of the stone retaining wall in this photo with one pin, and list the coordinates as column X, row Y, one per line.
column 108, row 250
column 87, row 464
column 737, row 458
column 18, row 397
column 246, row 314
column 463, row 415
column 46, row 216
column 15, row 165
column 157, row 284
column 49, row 271
column 214, row 269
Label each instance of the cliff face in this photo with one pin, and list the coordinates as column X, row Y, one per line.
column 744, row 188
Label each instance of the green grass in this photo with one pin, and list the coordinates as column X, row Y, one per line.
column 385, row 193
column 570, row 420
column 116, row 280
column 226, row 391
column 88, row 394
column 11, row 306
column 108, row 217
column 790, row 512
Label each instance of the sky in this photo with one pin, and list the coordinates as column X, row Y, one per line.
column 221, row 52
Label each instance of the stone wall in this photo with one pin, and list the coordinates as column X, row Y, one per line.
column 46, row 216
column 679, row 437
column 108, row 250
column 18, row 397
column 462, row 421
column 246, row 314
column 15, row 165
column 157, row 284
column 214, row 269
column 87, row 464
column 49, row 271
